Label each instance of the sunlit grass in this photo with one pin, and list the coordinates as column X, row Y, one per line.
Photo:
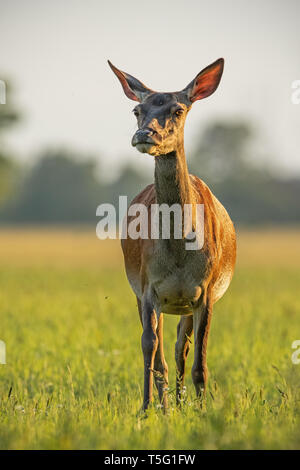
column 74, row 372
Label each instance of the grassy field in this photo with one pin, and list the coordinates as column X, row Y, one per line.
column 73, row 378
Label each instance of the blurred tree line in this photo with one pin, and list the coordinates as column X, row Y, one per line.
column 63, row 187
column 8, row 169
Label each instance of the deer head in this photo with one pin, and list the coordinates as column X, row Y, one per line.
column 161, row 116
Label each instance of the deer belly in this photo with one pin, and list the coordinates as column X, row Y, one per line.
column 177, row 309
column 177, row 298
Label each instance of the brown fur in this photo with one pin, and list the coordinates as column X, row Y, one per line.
column 166, row 277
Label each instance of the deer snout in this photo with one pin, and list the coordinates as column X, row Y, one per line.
column 143, row 136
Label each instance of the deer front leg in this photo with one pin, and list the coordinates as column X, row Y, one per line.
column 149, row 346
column 201, row 320
column 182, row 347
column 161, row 367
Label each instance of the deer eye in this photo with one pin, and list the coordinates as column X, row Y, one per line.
column 135, row 112
column 179, row 112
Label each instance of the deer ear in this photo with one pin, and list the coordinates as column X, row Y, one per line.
column 133, row 88
column 206, row 82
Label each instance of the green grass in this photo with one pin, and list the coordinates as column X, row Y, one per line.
column 74, row 372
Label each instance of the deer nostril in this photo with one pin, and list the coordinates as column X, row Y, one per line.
column 147, row 132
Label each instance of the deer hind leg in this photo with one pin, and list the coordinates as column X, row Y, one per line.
column 202, row 320
column 182, row 347
column 161, row 367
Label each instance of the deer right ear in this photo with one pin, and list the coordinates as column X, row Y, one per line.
column 133, row 88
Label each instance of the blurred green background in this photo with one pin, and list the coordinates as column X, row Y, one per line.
column 74, row 372
column 65, row 187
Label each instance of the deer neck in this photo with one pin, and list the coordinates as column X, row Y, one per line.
column 173, row 186
column 171, row 178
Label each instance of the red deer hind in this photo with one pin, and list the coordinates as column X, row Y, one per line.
column 164, row 275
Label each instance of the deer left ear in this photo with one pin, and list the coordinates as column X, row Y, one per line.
column 133, row 88
column 206, row 82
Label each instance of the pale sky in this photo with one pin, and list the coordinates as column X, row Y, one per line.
column 55, row 53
